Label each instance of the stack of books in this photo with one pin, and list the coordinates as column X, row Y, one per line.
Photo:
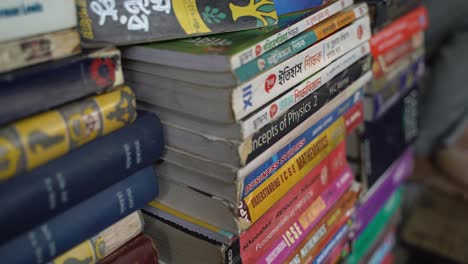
column 380, row 151
column 75, row 156
column 255, row 167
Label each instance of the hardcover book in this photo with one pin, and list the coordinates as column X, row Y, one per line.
column 29, row 143
column 128, row 22
column 141, row 249
column 38, row 88
column 113, row 157
column 51, row 239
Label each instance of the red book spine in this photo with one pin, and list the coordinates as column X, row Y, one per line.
column 137, row 251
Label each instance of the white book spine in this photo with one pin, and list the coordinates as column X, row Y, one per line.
column 252, row 95
column 24, row 18
column 277, row 39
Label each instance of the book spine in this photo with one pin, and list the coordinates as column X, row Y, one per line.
column 306, row 221
column 337, row 216
column 105, row 243
column 337, row 254
column 381, row 220
column 249, row 97
column 399, row 31
column 333, row 243
column 39, row 88
column 33, row 50
column 297, row 44
column 394, row 89
column 381, row 191
column 83, row 221
column 58, row 185
column 31, row 142
column 277, row 181
column 139, row 250
column 254, row 173
column 395, row 131
column 301, row 92
column 384, row 63
column 250, row 53
column 260, row 236
column 260, row 141
column 21, row 19
column 129, row 22
column 380, row 253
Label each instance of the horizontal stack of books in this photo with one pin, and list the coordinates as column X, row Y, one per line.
column 75, row 156
column 255, row 167
column 380, row 151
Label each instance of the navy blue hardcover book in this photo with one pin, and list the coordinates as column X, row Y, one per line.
column 54, row 237
column 49, row 190
column 41, row 87
column 388, row 137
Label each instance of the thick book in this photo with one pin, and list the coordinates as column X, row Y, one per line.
column 229, row 172
column 97, row 248
column 235, row 102
column 19, row 19
column 28, row 51
column 271, row 123
column 223, row 52
column 263, row 62
column 128, row 22
column 41, row 87
column 52, row 238
column 29, row 143
column 141, row 249
column 49, row 190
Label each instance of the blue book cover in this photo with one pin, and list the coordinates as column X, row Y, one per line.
column 54, row 237
column 290, row 6
column 44, row 86
column 51, row 189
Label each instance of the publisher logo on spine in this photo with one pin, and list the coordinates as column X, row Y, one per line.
column 258, row 50
column 270, row 83
column 273, row 110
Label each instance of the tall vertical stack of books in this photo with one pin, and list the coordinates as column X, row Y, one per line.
column 255, row 167
column 381, row 150
column 75, row 158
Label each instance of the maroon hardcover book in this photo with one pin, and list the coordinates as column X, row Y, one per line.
column 139, row 250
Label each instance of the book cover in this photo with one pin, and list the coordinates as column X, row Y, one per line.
column 19, row 18
column 24, row 52
column 36, row 140
column 53, row 188
column 52, row 238
column 41, row 87
column 100, row 246
column 129, row 22
column 139, row 250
